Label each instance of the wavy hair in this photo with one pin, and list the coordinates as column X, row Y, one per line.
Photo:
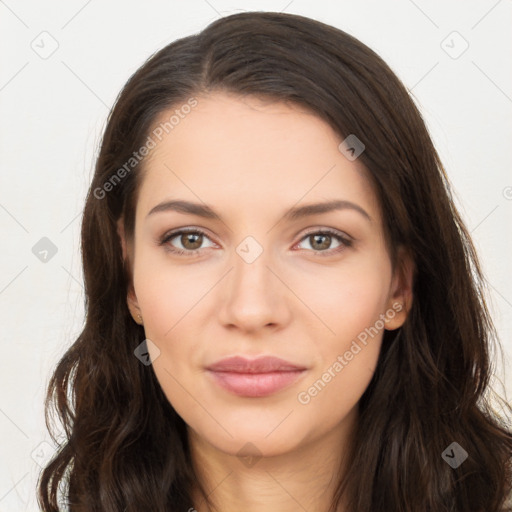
column 431, row 384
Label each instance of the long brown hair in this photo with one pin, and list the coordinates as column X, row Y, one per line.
column 126, row 448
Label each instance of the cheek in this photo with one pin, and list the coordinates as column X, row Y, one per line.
column 170, row 302
column 351, row 303
column 173, row 301
column 168, row 294
column 336, row 390
column 347, row 300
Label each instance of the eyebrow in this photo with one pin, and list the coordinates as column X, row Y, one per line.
column 294, row 213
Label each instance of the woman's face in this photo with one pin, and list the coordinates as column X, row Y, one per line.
column 261, row 275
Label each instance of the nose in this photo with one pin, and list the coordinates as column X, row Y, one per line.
column 253, row 296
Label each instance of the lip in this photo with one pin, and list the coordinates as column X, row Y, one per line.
column 258, row 377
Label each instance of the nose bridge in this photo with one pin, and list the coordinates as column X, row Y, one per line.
column 251, row 264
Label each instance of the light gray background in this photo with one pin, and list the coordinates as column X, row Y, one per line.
column 53, row 110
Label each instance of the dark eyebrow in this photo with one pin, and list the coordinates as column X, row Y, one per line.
column 203, row 210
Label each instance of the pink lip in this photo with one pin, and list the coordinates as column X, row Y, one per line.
column 255, row 378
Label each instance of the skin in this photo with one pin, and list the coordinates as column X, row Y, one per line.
column 251, row 161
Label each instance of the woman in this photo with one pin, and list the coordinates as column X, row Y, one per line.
column 284, row 308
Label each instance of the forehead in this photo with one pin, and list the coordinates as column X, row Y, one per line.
column 253, row 151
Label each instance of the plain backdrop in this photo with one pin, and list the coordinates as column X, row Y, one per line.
column 62, row 66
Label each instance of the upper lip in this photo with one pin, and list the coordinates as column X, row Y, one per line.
column 264, row 364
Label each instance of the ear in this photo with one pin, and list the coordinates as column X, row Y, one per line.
column 131, row 297
column 401, row 294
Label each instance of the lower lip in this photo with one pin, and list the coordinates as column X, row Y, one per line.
column 255, row 384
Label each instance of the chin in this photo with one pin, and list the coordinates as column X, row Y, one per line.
column 253, row 440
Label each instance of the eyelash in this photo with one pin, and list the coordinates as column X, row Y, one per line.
column 345, row 241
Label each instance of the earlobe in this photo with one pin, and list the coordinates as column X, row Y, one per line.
column 395, row 316
column 400, row 301
column 133, row 306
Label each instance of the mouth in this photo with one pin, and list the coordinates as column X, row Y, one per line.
column 255, row 378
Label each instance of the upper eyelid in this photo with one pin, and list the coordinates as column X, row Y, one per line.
column 188, row 229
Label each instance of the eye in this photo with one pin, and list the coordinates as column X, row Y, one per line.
column 189, row 239
column 321, row 241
